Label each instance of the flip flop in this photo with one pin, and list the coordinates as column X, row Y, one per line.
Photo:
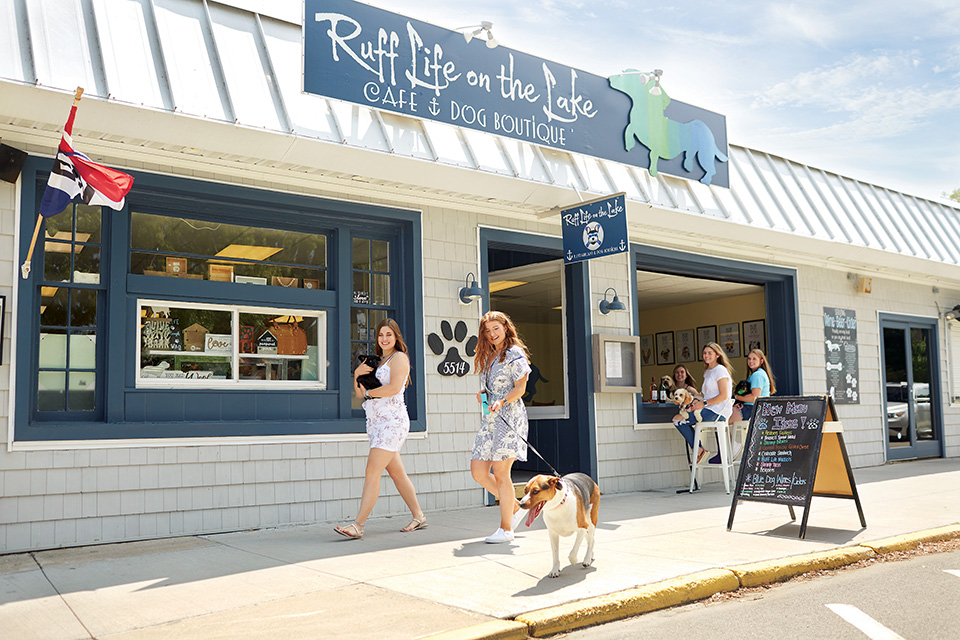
column 345, row 531
column 420, row 524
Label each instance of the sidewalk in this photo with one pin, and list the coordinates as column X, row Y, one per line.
column 307, row 582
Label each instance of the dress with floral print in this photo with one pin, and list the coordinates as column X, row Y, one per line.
column 387, row 420
column 497, row 439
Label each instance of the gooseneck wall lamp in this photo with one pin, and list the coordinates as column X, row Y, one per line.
column 482, row 30
column 471, row 291
column 613, row 305
column 953, row 314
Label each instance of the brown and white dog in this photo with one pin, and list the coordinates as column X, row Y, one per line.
column 684, row 399
column 569, row 505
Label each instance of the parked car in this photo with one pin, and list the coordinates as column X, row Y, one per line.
column 898, row 417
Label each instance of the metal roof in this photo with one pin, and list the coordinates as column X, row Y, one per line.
column 200, row 59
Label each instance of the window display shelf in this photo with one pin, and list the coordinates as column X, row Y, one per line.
column 272, row 356
column 198, row 354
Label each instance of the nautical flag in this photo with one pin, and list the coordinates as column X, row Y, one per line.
column 74, row 174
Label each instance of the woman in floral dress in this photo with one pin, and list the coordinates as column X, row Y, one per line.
column 387, row 427
column 503, row 366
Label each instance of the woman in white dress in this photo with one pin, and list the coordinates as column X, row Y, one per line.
column 503, row 366
column 387, row 427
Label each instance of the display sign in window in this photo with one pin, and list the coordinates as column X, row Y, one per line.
column 202, row 345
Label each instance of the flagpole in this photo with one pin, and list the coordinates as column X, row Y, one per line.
column 25, row 267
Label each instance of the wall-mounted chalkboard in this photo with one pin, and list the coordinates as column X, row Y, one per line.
column 840, row 352
column 786, row 449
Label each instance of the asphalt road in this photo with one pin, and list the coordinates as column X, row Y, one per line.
column 913, row 599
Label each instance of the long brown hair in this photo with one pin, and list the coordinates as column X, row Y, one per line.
column 400, row 345
column 486, row 350
column 765, row 366
column 721, row 358
column 689, row 382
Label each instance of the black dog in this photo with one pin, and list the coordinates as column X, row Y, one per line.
column 742, row 389
column 369, row 380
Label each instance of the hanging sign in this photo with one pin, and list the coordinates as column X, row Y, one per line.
column 840, row 350
column 594, row 228
column 368, row 56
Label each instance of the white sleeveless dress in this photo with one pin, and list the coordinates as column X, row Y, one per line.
column 387, row 421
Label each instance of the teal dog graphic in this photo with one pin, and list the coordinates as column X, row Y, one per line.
column 664, row 138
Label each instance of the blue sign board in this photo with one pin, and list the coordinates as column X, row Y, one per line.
column 593, row 229
column 368, row 56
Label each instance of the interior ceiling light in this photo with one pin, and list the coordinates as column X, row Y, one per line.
column 48, row 292
column 501, row 285
column 484, row 29
column 247, row 252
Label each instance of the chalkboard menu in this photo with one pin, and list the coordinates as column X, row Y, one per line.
column 794, row 451
column 840, row 349
column 781, row 450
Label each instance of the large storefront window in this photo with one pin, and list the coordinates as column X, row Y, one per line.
column 214, row 346
column 201, row 250
column 205, row 310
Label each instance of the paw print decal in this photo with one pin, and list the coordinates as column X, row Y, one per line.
column 452, row 364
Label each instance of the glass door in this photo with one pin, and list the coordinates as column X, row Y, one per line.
column 911, row 382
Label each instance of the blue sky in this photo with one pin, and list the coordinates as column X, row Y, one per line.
column 867, row 89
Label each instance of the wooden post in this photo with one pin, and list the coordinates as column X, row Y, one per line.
column 25, row 267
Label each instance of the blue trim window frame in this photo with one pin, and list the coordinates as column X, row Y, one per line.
column 124, row 411
column 782, row 310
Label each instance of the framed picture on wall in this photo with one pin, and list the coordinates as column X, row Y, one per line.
column 686, row 347
column 665, row 348
column 730, row 339
column 646, row 350
column 705, row 335
column 755, row 335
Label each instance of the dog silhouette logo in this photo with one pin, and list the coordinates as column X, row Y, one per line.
column 665, row 138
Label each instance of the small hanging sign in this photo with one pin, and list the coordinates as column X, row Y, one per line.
column 595, row 228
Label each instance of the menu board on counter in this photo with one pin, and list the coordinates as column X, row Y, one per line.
column 793, row 451
column 840, row 349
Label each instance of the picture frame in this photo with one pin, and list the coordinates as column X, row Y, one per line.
column 665, row 348
column 220, row 272
column 705, row 335
column 686, row 346
column 249, row 279
column 729, row 339
column 3, row 313
column 646, row 350
column 755, row 335
column 311, row 283
column 176, row 265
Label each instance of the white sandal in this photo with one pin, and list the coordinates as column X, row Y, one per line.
column 345, row 531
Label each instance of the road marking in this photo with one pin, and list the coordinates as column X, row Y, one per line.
column 952, row 572
column 873, row 629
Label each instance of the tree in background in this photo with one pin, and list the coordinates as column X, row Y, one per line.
column 953, row 195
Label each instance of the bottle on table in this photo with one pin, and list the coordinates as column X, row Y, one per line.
column 654, row 392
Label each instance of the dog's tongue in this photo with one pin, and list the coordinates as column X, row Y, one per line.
column 534, row 512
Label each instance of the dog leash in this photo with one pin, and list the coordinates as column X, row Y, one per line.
column 532, row 448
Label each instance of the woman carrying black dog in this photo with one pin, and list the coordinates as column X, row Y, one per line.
column 387, row 427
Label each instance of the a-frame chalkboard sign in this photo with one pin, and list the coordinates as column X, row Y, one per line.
column 794, row 451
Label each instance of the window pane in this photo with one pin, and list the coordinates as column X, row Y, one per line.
column 83, row 351
column 53, row 306
column 53, row 350
column 361, row 254
column 88, row 222
column 359, row 324
column 380, row 256
column 82, row 391
column 51, row 392
column 83, row 308
column 178, row 247
column 185, row 343
column 381, row 289
column 86, row 264
column 284, row 345
column 56, row 262
column 376, row 317
column 361, row 288
column 60, row 223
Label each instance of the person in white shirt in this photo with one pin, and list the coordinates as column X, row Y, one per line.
column 717, row 394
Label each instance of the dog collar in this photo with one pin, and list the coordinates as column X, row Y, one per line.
column 562, row 501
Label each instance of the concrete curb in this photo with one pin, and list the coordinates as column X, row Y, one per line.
column 629, row 602
column 686, row 589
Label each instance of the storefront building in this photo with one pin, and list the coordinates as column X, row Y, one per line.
column 183, row 366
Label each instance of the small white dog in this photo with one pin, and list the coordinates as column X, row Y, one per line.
column 684, row 400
